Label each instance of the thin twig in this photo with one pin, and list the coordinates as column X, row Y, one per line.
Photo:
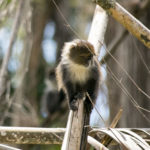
column 116, row 119
column 94, row 106
column 114, row 47
column 133, row 101
column 107, row 140
column 65, row 20
column 129, row 76
column 141, row 57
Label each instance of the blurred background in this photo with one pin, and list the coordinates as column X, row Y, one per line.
column 29, row 96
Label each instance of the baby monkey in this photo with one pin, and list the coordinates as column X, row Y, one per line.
column 78, row 72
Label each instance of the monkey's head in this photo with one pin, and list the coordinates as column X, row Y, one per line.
column 81, row 52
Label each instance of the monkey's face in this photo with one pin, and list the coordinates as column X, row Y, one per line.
column 81, row 54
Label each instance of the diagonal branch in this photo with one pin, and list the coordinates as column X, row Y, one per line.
column 96, row 144
column 133, row 25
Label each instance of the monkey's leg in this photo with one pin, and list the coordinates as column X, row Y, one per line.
column 61, row 96
column 71, row 96
column 92, row 90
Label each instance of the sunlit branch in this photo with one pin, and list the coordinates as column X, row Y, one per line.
column 133, row 25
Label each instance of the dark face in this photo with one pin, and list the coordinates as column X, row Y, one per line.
column 81, row 54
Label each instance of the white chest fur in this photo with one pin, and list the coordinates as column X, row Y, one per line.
column 79, row 73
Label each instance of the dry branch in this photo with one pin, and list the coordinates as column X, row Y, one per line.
column 75, row 125
column 97, row 145
column 127, row 20
column 27, row 135
column 106, row 140
column 98, row 28
column 3, row 71
column 68, row 132
column 126, row 139
column 5, row 147
column 116, row 119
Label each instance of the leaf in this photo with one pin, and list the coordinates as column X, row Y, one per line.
column 140, row 141
column 127, row 139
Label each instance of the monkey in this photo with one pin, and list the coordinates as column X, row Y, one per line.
column 78, row 72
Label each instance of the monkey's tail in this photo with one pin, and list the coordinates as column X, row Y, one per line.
column 87, row 112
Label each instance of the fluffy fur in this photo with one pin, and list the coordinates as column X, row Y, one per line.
column 78, row 72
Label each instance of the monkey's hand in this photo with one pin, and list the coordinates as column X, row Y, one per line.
column 73, row 105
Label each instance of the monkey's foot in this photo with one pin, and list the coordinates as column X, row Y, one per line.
column 73, row 105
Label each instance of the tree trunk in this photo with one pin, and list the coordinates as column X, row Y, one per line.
column 35, row 75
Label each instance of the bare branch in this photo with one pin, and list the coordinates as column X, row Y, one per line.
column 75, row 125
column 28, row 135
column 127, row 20
column 98, row 28
column 3, row 71
column 5, row 147
column 25, row 135
column 116, row 119
column 107, row 140
column 96, row 144
column 68, row 132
